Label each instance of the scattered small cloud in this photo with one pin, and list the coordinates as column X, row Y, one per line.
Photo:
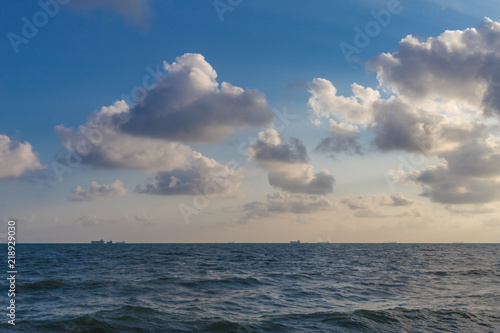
column 395, row 200
column 286, row 161
column 99, row 192
column 368, row 206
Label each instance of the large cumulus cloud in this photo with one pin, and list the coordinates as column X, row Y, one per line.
column 178, row 168
column 458, row 64
column 186, row 106
column 189, row 106
column 443, row 92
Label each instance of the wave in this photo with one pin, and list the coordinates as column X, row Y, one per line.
column 136, row 318
column 42, row 285
column 390, row 320
column 248, row 281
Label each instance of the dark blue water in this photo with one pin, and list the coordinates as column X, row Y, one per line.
column 257, row 288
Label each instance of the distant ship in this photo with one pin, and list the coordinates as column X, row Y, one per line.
column 325, row 242
column 108, row 242
column 295, row 242
column 394, row 242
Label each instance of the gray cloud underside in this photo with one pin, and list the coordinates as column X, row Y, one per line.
column 209, row 119
column 216, row 181
column 291, row 151
column 336, row 143
column 188, row 105
column 320, row 183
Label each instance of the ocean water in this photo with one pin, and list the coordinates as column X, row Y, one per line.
column 257, row 288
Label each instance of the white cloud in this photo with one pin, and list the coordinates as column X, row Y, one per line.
column 324, row 102
column 99, row 192
column 458, row 64
column 444, row 89
column 16, row 158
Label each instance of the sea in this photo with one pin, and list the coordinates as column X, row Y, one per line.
column 255, row 288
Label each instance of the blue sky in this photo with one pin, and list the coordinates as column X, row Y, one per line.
column 92, row 54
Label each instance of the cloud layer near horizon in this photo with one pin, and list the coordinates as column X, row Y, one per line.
column 282, row 202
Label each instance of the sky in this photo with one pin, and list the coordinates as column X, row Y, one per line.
column 250, row 121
